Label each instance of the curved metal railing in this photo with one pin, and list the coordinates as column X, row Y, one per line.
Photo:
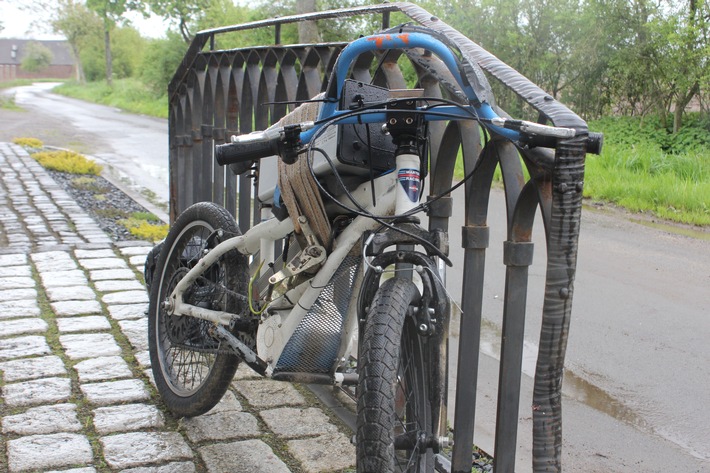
column 217, row 93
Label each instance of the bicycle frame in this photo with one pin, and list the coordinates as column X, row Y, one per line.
column 393, row 200
column 272, row 230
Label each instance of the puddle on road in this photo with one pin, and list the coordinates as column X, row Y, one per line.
column 595, row 397
column 573, row 385
column 578, row 388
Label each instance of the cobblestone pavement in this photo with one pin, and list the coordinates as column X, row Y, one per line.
column 76, row 386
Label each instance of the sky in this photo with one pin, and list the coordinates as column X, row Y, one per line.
column 18, row 23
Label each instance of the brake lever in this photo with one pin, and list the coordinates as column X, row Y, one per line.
column 533, row 128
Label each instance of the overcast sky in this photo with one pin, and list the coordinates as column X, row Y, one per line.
column 17, row 23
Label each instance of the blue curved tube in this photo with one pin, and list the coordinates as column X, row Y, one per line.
column 403, row 41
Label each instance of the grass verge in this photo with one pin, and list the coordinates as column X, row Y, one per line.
column 127, row 94
column 645, row 170
column 7, row 102
column 645, row 179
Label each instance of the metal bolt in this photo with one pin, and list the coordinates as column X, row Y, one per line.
column 444, row 442
column 393, row 121
column 564, row 293
column 562, row 187
column 580, row 186
column 423, row 328
column 409, row 120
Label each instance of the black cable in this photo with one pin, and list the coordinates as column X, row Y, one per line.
column 363, row 212
column 379, row 107
column 369, row 109
column 376, row 108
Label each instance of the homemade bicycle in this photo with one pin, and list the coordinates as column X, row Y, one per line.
column 339, row 260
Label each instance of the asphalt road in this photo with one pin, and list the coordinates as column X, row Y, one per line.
column 637, row 390
column 132, row 146
column 638, row 358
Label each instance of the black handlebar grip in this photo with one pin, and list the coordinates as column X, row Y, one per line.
column 594, row 142
column 232, row 153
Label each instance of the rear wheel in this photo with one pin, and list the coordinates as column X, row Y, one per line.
column 190, row 371
column 394, row 407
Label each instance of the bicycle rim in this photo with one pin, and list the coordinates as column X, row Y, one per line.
column 187, row 353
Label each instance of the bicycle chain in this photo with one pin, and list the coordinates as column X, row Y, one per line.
column 246, row 338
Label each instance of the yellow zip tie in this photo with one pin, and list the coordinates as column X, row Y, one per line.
column 251, row 282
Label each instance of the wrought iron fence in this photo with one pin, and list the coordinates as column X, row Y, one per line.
column 217, row 93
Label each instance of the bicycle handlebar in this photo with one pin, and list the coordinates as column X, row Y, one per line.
column 260, row 144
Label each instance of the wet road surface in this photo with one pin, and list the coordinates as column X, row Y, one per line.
column 637, row 390
column 638, row 360
column 134, row 146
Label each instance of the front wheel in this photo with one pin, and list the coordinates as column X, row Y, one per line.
column 191, row 370
column 394, row 406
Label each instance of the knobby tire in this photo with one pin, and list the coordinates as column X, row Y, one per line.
column 192, row 380
column 394, row 384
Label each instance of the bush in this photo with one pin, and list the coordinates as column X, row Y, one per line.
column 29, row 142
column 160, row 61
column 67, row 161
column 140, row 226
column 630, row 131
column 37, row 57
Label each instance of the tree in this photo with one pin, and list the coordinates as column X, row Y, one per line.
column 111, row 12
column 161, row 60
column 687, row 56
column 307, row 30
column 225, row 13
column 37, row 57
column 75, row 22
column 183, row 12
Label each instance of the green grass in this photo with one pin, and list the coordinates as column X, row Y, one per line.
column 645, row 179
column 7, row 102
column 127, row 94
column 644, row 168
